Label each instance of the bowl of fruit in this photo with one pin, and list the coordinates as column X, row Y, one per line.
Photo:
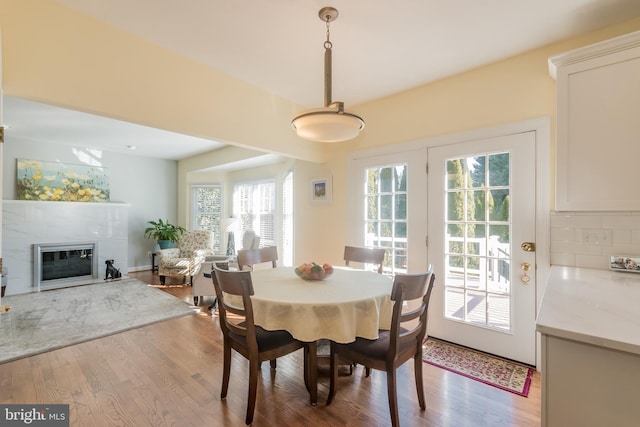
column 313, row 271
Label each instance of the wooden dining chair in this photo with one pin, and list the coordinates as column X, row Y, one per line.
column 395, row 346
column 250, row 257
column 242, row 335
column 373, row 256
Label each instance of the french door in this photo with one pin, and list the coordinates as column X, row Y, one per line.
column 482, row 244
column 469, row 213
column 389, row 208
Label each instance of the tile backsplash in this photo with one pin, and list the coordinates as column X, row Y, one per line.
column 588, row 239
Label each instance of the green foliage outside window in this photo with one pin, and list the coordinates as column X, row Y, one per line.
column 487, row 200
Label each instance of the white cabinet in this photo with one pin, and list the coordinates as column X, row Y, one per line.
column 588, row 385
column 589, row 324
column 598, row 126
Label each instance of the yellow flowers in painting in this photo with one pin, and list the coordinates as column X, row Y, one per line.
column 61, row 182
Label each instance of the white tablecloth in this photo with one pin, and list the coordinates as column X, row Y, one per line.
column 349, row 304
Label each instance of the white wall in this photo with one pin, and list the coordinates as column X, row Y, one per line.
column 148, row 185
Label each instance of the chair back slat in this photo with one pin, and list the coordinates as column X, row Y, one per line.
column 373, row 256
column 410, row 324
column 229, row 284
column 250, row 257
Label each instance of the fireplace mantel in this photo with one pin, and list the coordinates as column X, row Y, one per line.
column 27, row 222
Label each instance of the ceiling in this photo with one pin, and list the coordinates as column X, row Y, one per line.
column 378, row 49
column 32, row 121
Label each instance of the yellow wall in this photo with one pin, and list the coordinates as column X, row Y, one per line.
column 54, row 55
column 57, row 56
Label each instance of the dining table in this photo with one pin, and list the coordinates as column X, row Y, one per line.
column 348, row 304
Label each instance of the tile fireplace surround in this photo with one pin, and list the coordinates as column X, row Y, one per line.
column 25, row 223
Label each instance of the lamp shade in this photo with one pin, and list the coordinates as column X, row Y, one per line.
column 327, row 125
column 228, row 224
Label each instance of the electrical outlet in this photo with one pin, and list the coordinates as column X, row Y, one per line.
column 596, row 236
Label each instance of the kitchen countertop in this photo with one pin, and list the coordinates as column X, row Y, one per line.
column 599, row 307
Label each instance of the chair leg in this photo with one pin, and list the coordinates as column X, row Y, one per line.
column 307, row 383
column 393, row 397
column 272, row 362
column 226, row 370
column 254, row 366
column 162, row 280
column 311, row 372
column 419, row 382
column 195, row 300
column 333, row 372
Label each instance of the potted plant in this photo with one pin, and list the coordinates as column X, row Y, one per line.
column 164, row 232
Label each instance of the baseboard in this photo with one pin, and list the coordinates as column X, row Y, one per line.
column 139, row 268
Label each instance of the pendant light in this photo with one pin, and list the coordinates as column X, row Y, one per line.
column 330, row 123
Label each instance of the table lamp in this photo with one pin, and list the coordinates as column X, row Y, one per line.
column 228, row 227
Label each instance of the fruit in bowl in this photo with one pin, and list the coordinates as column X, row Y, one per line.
column 313, row 271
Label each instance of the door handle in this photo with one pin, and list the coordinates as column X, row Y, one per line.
column 528, row 247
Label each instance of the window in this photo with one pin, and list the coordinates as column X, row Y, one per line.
column 385, row 210
column 255, row 206
column 287, row 220
column 206, row 211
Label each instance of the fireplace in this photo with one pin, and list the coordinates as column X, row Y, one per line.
column 58, row 265
column 26, row 223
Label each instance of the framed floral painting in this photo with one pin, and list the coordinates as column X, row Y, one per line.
column 61, row 182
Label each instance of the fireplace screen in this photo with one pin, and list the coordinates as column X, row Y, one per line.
column 67, row 264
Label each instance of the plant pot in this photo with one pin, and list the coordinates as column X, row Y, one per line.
column 166, row 244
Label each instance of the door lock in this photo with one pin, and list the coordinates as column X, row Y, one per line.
column 525, row 266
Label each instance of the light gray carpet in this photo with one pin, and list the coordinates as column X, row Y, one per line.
column 44, row 321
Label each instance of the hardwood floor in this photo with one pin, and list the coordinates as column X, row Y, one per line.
column 169, row 374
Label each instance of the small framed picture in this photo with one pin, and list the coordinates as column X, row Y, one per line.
column 321, row 190
column 625, row 263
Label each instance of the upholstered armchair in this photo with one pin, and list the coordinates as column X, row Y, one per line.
column 250, row 240
column 185, row 260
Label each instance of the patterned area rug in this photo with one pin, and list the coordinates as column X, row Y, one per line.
column 44, row 321
column 501, row 373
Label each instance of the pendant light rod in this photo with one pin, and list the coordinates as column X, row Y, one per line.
column 328, row 15
column 327, row 74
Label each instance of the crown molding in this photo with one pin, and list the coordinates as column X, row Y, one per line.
column 596, row 50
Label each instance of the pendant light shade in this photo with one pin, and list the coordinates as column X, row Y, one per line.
column 330, row 123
